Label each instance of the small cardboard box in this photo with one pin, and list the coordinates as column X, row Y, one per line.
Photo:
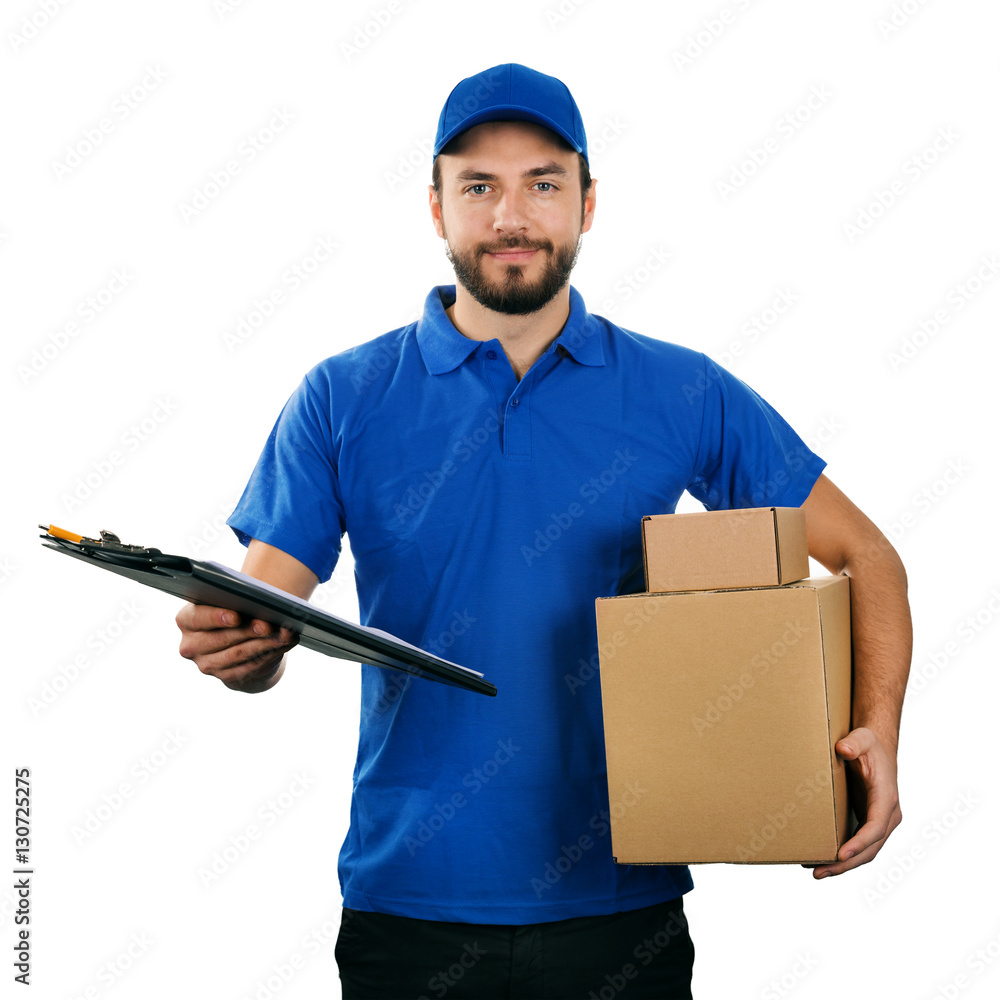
column 721, row 713
column 749, row 547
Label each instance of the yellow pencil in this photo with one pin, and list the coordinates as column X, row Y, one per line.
column 62, row 533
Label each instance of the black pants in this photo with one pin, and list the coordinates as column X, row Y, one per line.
column 640, row 953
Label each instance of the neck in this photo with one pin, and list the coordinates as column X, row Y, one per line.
column 523, row 338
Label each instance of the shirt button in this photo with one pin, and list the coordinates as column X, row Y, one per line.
column 514, row 401
column 491, row 355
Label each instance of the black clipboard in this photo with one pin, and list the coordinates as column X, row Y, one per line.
column 216, row 585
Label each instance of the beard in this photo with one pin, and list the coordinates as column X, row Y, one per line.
column 514, row 294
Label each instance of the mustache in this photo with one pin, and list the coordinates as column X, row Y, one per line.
column 513, row 243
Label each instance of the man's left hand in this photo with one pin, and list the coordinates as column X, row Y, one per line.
column 871, row 782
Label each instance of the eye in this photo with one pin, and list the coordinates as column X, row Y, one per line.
column 478, row 188
column 545, row 186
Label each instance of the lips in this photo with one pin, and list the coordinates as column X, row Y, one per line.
column 513, row 256
column 517, row 254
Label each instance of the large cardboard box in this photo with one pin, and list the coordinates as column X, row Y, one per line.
column 749, row 547
column 721, row 713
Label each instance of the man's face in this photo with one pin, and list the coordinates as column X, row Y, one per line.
column 512, row 203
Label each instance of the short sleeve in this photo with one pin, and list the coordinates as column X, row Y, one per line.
column 748, row 455
column 293, row 498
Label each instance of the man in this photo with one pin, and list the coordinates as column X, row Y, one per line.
column 491, row 463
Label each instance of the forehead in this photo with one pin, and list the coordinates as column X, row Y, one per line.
column 511, row 144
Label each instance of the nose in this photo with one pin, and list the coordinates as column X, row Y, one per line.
column 510, row 217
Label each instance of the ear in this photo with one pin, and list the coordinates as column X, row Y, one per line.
column 435, row 204
column 589, row 204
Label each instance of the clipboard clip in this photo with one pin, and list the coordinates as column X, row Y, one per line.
column 108, row 542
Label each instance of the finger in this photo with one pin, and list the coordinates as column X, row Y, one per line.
column 230, row 646
column 256, row 628
column 284, row 635
column 255, row 671
column 243, row 657
column 862, row 857
column 867, row 841
column 202, row 617
column 876, row 805
column 261, row 628
column 875, row 830
column 839, row 867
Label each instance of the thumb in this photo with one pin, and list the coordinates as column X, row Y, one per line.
column 855, row 743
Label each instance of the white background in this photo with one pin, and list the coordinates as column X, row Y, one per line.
column 911, row 441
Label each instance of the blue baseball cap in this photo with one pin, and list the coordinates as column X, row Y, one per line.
column 511, row 92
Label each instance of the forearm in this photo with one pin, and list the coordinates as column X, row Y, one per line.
column 882, row 635
column 265, row 562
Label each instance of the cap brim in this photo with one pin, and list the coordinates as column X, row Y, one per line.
column 508, row 112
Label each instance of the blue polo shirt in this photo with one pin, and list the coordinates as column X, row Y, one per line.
column 485, row 515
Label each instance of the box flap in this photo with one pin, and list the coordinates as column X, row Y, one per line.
column 835, row 622
column 791, row 543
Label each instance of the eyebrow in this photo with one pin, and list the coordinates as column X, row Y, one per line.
column 547, row 169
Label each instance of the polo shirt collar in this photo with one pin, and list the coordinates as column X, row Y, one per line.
column 443, row 348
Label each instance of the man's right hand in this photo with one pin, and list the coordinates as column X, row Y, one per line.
column 245, row 654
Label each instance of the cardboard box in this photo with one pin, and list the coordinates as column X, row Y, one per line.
column 721, row 713
column 751, row 547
